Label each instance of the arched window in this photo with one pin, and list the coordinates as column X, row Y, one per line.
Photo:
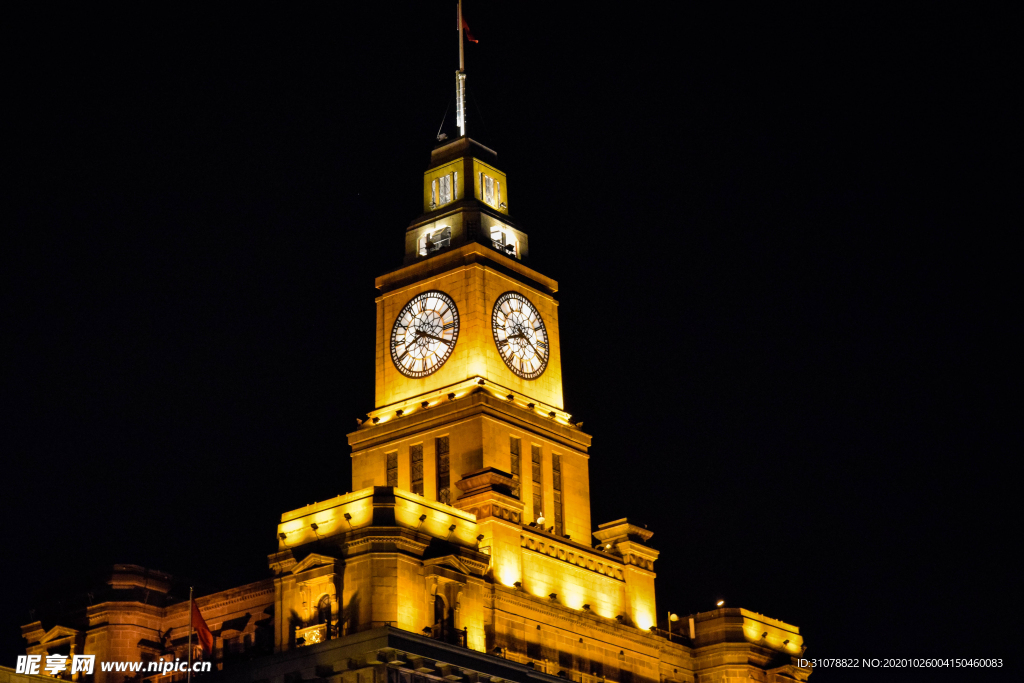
column 323, row 613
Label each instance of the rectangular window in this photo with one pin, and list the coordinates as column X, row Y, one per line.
column 515, row 448
column 538, row 509
column 431, row 242
column 416, row 458
column 444, row 189
column 556, row 488
column 489, row 190
column 444, row 492
column 392, row 468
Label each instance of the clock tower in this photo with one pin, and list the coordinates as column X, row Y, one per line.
column 468, row 366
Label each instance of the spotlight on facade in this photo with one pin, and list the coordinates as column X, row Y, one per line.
column 518, row 585
column 786, row 642
column 510, row 397
column 480, row 382
column 428, row 631
column 720, row 603
column 553, row 596
column 425, row 404
column 348, row 517
column 451, row 396
column 533, row 524
column 376, row 420
column 399, row 412
column 586, row 608
column 552, row 415
column 531, row 406
column 480, row 538
column 423, row 518
column 314, row 526
column 764, row 635
column 607, row 546
column 496, row 652
column 451, row 528
column 619, row 618
column 283, row 536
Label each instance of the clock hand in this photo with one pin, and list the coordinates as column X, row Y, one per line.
column 424, row 334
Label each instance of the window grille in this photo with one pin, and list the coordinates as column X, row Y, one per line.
column 444, row 493
column 556, row 487
column 393, row 469
column 515, row 448
column 538, row 508
column 416, row 456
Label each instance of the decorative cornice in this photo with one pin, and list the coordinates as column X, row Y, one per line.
column 572, row 556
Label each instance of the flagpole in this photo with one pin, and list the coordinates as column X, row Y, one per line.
column 460, row 83
column 189, row 679
column 462, row 57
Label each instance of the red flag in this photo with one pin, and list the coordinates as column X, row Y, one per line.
column 469, row 36
column 202, row 631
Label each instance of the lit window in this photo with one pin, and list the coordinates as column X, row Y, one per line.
column 505, row 241
column 490, row 189
column 444, row 189
column 431, row 242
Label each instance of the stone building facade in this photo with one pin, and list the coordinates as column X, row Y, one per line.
column 468, row 548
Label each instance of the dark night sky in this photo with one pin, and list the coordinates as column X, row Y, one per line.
column 770, row 324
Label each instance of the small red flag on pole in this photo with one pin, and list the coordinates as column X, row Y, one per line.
column 469, row 36
column 202, row 631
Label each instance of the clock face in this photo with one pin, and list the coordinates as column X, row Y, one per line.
column 424, row 334
column 520, row 335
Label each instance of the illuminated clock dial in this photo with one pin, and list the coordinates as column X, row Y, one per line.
column 424, row 334
column 520, row 335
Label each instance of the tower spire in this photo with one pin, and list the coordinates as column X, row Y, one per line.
column 460, row 82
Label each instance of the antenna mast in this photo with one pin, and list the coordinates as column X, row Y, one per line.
column 460, row 83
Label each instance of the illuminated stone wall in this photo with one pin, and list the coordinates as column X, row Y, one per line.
column 474, row 287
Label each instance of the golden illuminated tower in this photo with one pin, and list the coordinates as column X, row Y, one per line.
column 466, row 551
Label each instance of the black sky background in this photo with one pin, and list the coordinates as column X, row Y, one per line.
column 773, row 321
